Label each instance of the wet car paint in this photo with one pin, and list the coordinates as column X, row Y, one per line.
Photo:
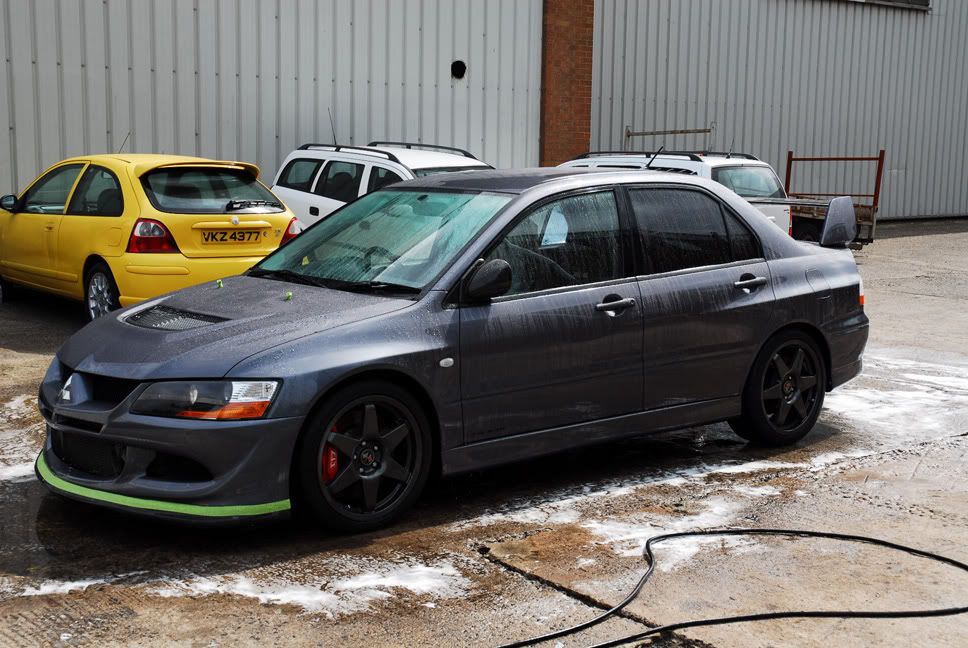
column 314, row 339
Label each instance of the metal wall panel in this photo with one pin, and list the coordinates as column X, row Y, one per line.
column 820, row 77
column 253, row 79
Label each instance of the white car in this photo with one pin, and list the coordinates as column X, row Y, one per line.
column 316, row 179
column 746, row 175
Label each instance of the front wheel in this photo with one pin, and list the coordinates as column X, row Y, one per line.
column 364, row 457
column 784, row 391
column 101, row 295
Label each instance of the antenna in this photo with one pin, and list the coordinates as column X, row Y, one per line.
column 729, row 153
column 652, row 159
column 332, row 126
column 124, row 141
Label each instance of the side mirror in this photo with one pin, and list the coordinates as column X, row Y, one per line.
column 490, row 279
column 840, row 223
column 8, row 202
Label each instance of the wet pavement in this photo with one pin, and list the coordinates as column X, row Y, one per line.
column 504, row 554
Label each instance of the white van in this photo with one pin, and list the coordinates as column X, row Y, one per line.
column 317, row 179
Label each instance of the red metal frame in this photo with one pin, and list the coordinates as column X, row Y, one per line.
column 879, row 158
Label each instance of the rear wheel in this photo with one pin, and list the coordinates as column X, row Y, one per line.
column 6, row 291
column 365, row 456
column 784, row 391
column 101, row 294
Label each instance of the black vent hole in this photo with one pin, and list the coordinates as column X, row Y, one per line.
column 458, row 69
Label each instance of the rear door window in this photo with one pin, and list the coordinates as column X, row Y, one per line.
column 97, row 194
column 340, row 181
column 680, row 229
column 299, row 174
column 381, row 177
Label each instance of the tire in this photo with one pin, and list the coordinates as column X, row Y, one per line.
column 6, row 291
column 101, row 295
column 784, row 391
column 359, row 436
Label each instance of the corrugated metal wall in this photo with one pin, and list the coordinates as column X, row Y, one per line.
column 252, row 79
column 822, row 77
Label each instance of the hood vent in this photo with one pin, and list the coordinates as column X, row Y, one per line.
column 171, row 319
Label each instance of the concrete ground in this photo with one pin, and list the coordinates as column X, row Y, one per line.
column 504, row 554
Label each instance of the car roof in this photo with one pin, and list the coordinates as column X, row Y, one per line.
column 710, row 160
column 516, row 181
column 412, row 158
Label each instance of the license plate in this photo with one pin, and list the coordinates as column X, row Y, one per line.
column 231, row 236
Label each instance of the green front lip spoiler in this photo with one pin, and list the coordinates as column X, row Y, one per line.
column 195, row 510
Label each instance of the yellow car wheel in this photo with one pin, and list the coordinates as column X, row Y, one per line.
column 101, row 294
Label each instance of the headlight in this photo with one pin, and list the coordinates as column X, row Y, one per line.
column 217, row 399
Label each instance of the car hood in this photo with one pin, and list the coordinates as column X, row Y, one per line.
column 232, row 320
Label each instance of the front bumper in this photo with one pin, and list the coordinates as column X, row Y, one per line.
column 200, row 470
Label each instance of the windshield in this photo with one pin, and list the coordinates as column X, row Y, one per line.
column 193, row 190
column 750, row 181
column 389, row 237
column 426, row 171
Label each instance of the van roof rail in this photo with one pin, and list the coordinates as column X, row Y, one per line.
column 421, row 145
column 342, row 147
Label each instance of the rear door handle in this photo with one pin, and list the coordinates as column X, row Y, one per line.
column 314, row 211
column 615, row 305
column 749, row 282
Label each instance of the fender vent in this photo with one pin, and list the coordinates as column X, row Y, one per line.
column 171, row 319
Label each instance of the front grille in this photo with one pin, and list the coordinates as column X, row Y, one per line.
column 110, row 390
column 171, row 319
column 95, row 457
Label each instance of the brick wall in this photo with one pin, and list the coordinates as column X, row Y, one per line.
column 566, row 79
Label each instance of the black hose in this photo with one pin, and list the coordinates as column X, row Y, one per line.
column 762, row 616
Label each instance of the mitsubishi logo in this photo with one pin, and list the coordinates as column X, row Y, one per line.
column 65, row 392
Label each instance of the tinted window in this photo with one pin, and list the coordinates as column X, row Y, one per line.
column 680, row 228
column 340, row 181
column 750, row 182
column 49, row 194
column 193, row 190
column 97, row 194
column 299, row 174
column 742, row 243
column 571, row 241
column 380, row 177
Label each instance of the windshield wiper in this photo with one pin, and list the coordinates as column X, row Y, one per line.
column 290, row 276
column 379, row 286
column 235, row 205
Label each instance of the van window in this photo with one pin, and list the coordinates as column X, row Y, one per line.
column 750, row 181
column 340, row 181
column 299, row 174
column 381, row 177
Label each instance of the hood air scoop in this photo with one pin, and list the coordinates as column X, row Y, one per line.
column 171, row 319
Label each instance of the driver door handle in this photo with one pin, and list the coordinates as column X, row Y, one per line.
column 749, row 282
column 615, row 305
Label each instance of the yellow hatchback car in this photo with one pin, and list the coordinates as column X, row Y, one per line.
column 113, row 230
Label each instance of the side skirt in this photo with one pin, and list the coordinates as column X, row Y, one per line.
column 544, row 442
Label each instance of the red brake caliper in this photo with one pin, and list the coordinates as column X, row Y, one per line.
column 330, row 462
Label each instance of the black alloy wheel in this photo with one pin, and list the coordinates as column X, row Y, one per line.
column 784, row 392
column 365, row 457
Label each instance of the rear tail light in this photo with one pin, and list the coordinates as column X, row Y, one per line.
column 790, row 220
column 861, row 291
column 151, row 236
column 294, row 229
